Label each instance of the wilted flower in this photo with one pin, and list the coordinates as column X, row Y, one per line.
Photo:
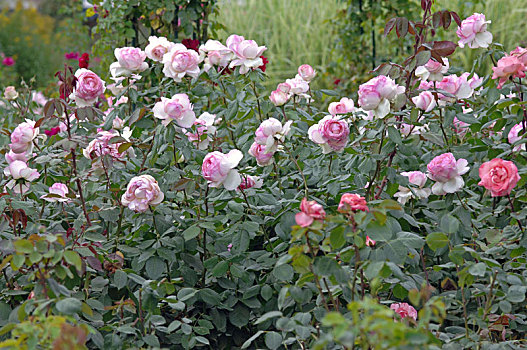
column 10, row 93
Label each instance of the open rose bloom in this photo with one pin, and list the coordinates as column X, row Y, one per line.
column 21, row 175
column 446, row 171
column 331, row 133
column 215, row 54
column 376, row 95
column 352, row 202
column 344, row 106
column 473, row 32
column 178, row 109
column 247, row 55
column 180, row 62
column 498, row 176
column 418, row 179
column 58, row 192
column 270, row 133
column 88, row 88
column 261, row 154
column 404, row 310
column 218, row 169
column 309, row 212
column 142, row 191
column 157, row 48
column 22, row 137
column 129, row 60
column 433, row 70
column 516, row 134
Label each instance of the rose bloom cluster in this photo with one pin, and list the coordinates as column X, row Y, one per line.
column 298, row 86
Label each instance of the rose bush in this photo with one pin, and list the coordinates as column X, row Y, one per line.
column 265, row 222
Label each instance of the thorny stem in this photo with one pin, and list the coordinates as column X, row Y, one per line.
column 378, row 167
column 257, row 101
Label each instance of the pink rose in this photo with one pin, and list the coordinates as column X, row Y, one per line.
column 180, row 61
column 39, row 98
column 521, row 54
column 142, row 192
column 344, row 106
column 102, row 146
column 58, row 192
column 309, row 212
column 270, row 133
column 215, row 54
column 473, row 31
column 446, row 171
column 457, row 86
column 404, row 310
column 432, row 70
column 263, row 158
column 8, row 61
column 298, row 86
column 460, row 127
column 473, row 82
column 507, row 67
column 284, row 87
column 498, row 176
column 352, row 202
column 204, row 126
column 11, row 156
column 514, row 136
column 177, row 108
column 416, row 178
column 376, row 94
column 407, row 129
column 19, row 170
column 22, row 137
column 157, row 48
column 425, row 101
column 233, row 40
column 88, row 88
column 278, row 97
column 331, row 133
column 247, row 55
column 129, row 60
column 218, row 169
column 249, row 181
column 306, row 72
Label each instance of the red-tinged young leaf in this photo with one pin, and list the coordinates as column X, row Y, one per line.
column 389, row 26
column 447, row 20
column 39, row 122
column 49, row 108
column 437, row 19
column 401, row 27
column 456, row 18
column 411, row 28
column 443, row 48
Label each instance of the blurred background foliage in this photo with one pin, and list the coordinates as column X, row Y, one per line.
column 343, row 39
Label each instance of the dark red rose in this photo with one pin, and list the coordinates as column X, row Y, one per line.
column 84, row 61
column 191, row 44
column 264, row 65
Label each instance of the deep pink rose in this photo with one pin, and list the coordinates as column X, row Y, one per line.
column 258, row 151
column 218, row 169
column 507, row 67
column 331, row 133
column 370, row 242
column 309, row 212
column 498, row 176
column 88, row 88
column 447, row 171
column 352, row 202
column 404, row 310
column 72, row 55
column 8, row 61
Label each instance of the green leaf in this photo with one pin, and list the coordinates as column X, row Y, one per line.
column 394, row 135
column 436, row 240
column 23, row 246
column 69, row 306
column 119, row 279
column 283, row 272
column 248, row 341
column 336, row 238
column 210, row 297
column 268, row 316
column 273, row 340
column 73, row 258
column 191, row 232
column 220, row 269
column 155, row 267
column 478, row 269
column 449, row 224
column 239, row 317
column 516, row 294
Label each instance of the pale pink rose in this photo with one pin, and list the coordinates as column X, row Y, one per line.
column 247, row 55
column 204, row 126
column 407, row 129
column 215, row 53
column 370, row 242
column 473, row 82
column 298, row 86
column 129, row 60
column 19, row 170
column 432, row 70
column 352, row 202
column 331, row 133
column 271, row 132
column 58, row 192
column 418, row 179
column 306, row 72
column 426, row 85
column 10, row 93
column 88, row 88
column 249, row 181
column 447, row 171
column 22, row 137
column 157, row 47
column 521, row 54
column 404, row 310
column 263, row 158
column 473, row 31
column 11, row 156
column 177, row 108
column 233, row 40
column 102, row 146
column 218, row 169
column 460, row 127
column 142, row 192
column 39, row 98
column 425, row 101
column 309, row 212
column 457, row 86
column 278, row 97
column 514, row 136
column 284, row 87
column 376, row 94
column 180, row 61
column 498, row 176
column 344, row 106
column 508, row 67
